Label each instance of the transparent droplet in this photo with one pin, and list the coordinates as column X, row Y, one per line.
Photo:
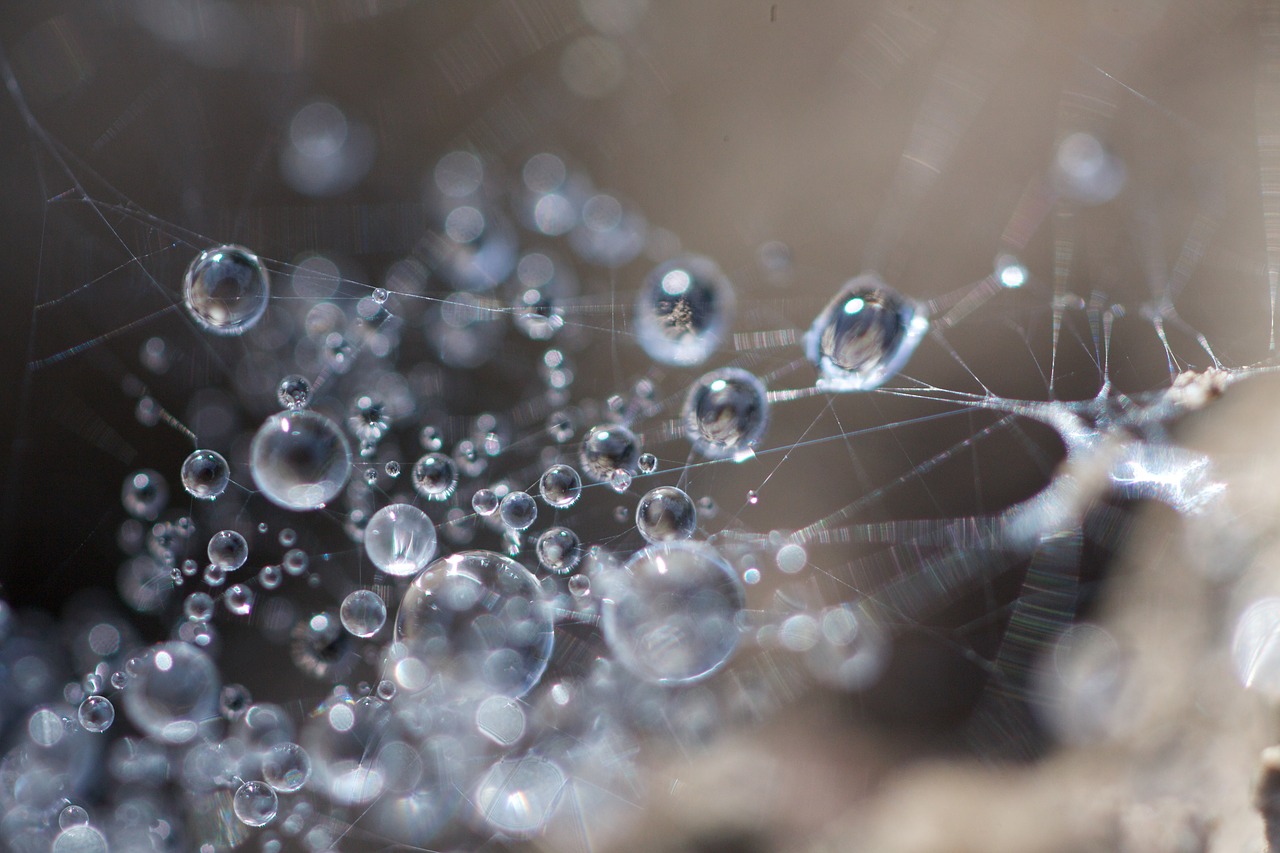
column 864, row 336
column 607, row 449
column 620, row 480
column 72, row 816
column 172, row 691
column 684, row 310
column 518, row 510
column 145, row 494
column 580, row 586
column 227, row 550
column 392, row 469
column 480, row 618
column 485, row 502
column 286, row 767
column 666, row 513
column 400, row 539
column 226, row 290
column 198, row 607
column 294, row 392
column 300, row 460
column 559, row 550
column 380, row 295
column 753, row 497
column 560, row 486
column 517, row 796
column 295, row 561
column 96, row 714
column 238, row 599
column 205, row 474
column 363, row 613
column 726, row 412
column 435, row 477
column 80, row 839
column 647, row 463
column 255, row 804
column 670, row 614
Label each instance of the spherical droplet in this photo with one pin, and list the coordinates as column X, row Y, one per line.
column 286, row 767
column 481, row 619
column 380, row 295
column 400, row 539
column 607, row 449
column 647, row 463
column 255, row 804
column 72, row 816
column 684, row 310
column 227, row 550
column 80, row 839
column 226, row 290
column 294, row 392
column 620, row 480
column 172, row 690
column 205, row 474
column 726, row 413
column 435, row 476
column 363, row 613
column 485, row 502
column 300, row 460
column 865, row 335
column 238, row 599
column 518, row 510
column 560, row 486
column 670, row 614
column 145, row 494
column 666, row 513
column 559, row 550
column 96, row 713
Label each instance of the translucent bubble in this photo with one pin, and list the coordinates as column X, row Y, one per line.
column 518, row 510
column 864, row 336
column 295, row 561
column 286, row 767
column 172, row 690
column 145, row 494
column 670, row 614
column 255, row 804
column 400, row 539
column 300, row 460
column 198, row 607
column 607, row 449
column 683, row 310
column 380, row 295
column 205, row 474
column 647, row 463
column 559, row 550
column 580, row 586
column 481, row 618
column 363, row 613
column 435, row 477
column 96, row 713
column 80, row 839
column 726, row 413
column 227, row 550
column 501, row 720
column 239, row 600
column 294, row 392
column 560, row 486
column 666, row 513
column 485, row 501
column 226, row 290
column 620, row 480
column 517, row 796
column 72, row 816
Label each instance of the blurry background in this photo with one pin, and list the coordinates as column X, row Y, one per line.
column 797, row 143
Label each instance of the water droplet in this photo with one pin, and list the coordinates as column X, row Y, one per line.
column 647, row 463
column 485, row 502
column 227, row 550
column 226, row 290
column 864, row 336
column 560, row 486
column 300, row 460
column 435, row 477
column 620, row 480
column 205, row 474
column 670, row 615
column 238, row 599
column 518, row 510
column 683, row 310
column 380, row 295
column 725, row 413
column 255, row 804
column 753, row 497
column 363, row 613
column 286, row 767
column 294, row 392
column 172, row 691
column 607, row 449
column 400, row 539
column 666, row 513
column 96, row 714
column 559, row 550
column 145, row 494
